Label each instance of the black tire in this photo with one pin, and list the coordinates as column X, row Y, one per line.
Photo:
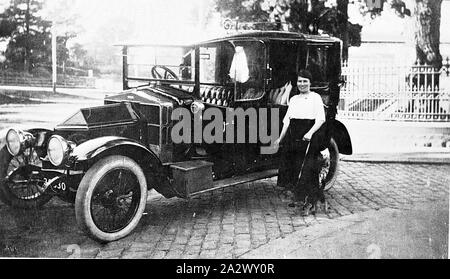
column 329, row 165
column 24, row 195
column 96, row 195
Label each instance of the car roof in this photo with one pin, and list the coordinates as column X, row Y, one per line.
column 263, row 35
column 275, row 35
column 256, row 35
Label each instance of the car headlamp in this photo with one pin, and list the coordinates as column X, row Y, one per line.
column 197, row 107
column 58, row 150
column 17, row 141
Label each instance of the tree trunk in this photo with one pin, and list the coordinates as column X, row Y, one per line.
column 301, row 14
column 27, row 58
column 342, row 7
column 427, row 14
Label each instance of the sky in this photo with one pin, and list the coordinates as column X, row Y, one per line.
column 390, row 27
column 162, row 20
column 170, row 21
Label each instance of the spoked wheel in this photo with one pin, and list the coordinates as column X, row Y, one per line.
column 111, row 198
column 329, row 165
column 21, row 182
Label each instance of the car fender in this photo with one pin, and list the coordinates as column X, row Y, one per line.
column 90, row 152
column 93, row 148
column 342, row 138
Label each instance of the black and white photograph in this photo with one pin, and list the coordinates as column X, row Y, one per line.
column 239, row 130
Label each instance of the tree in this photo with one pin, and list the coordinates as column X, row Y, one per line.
column 102, row 48
column 64, row 20
column 251, row 11
column 78, row 54
column 79, row 57
column 427, row 24
column 310, row 16
column 27, row 23
column 427, row 14
column 29, row 34
column 306, row 16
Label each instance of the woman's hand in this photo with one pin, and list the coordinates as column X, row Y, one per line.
column 308, row 136
column 276, row 144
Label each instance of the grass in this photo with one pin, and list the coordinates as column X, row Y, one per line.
column 6, row 99
column 32, row 96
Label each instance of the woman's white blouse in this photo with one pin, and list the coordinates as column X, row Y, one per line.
column 309, row 107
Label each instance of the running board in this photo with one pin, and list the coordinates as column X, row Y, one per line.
column 229, row 182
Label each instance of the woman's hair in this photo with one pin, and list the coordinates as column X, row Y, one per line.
column 305, row 74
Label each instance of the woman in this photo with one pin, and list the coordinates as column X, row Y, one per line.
column 304, row 117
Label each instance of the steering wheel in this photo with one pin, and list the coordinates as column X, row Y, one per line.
column 166, row 73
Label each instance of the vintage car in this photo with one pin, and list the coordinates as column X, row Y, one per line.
column 105, row 159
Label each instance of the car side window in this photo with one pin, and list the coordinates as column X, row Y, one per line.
column 246, row 70
column 208, row 64
column 239, row 70
column 186, row 68
column 317, row 63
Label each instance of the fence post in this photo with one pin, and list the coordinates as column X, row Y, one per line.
column 54, row 63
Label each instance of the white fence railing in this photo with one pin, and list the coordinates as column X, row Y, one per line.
column 382, row 91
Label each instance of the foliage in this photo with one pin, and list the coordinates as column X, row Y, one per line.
column 60, row 12
column 314, row 16
column 80, row 58
column 427, row 14
column 102, row 50
column 30, row 39
column 245, row 10
column 6, row 27
column 399, row 6
column 30, row 36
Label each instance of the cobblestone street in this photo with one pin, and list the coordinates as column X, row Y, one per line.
column 223, row 224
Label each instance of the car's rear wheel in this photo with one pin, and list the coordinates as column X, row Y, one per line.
column 21, row 181
column 111, row 198
column 329, row 165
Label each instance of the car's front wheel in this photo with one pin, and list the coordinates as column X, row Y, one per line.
column 111, row 198
column 21, row 181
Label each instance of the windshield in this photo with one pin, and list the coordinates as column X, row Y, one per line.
column 234, row 66
column 163, row 63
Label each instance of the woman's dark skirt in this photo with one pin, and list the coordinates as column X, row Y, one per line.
column 293, row 150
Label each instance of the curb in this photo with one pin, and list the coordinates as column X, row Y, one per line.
column 432, row 158
column 375, row 136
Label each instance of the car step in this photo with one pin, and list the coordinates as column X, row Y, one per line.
column 237, row 180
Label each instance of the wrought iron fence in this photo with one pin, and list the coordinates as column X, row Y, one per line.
column 382, row 90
